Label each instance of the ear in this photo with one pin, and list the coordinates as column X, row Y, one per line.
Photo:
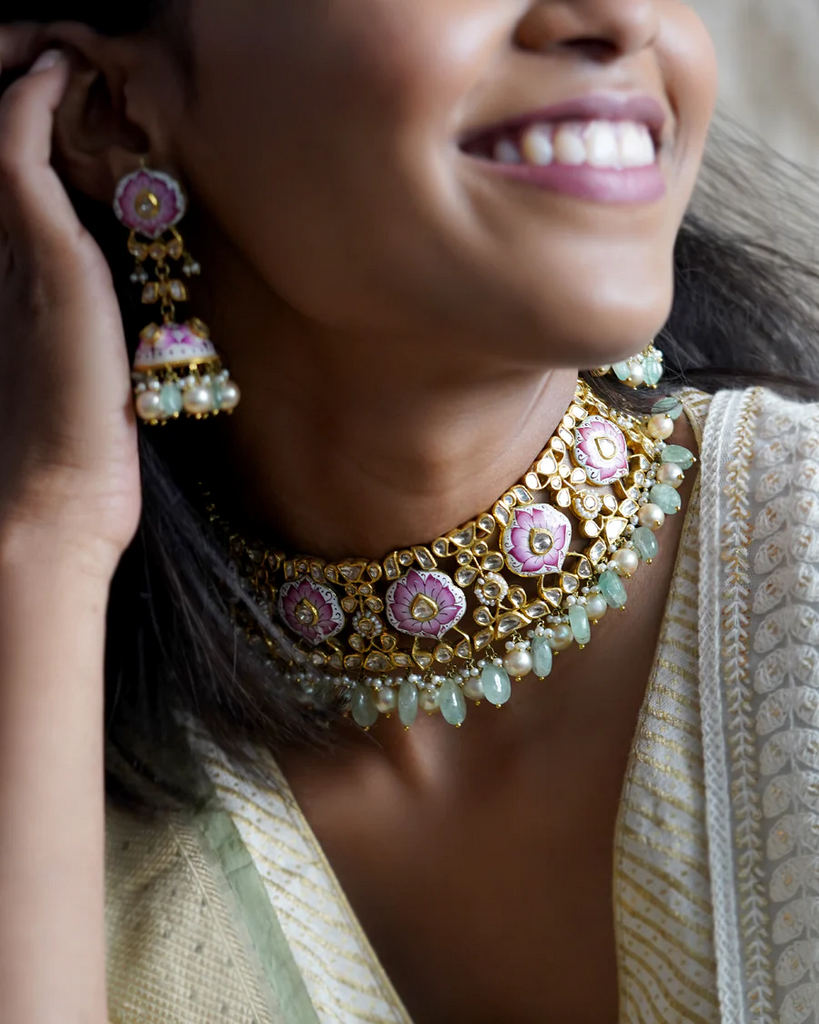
column 118, row 110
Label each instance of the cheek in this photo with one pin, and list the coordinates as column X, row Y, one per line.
column 689, row 62
column 312, row 129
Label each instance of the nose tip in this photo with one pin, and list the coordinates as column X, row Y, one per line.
column 602, row 29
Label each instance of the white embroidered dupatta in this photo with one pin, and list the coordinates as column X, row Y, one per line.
column 759, row 669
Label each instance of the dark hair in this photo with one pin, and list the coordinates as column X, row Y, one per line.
column 746, row 311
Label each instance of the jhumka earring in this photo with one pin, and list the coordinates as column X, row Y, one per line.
column 643, row 370
column 176, row 366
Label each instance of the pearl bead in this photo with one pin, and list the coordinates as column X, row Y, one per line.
column 660, row 427
column 518, row 663
column 562, row 637
column 637, row 376
column 596, row 607
column 626, row 562
column 149, row 406
column 386, row 699
column 198, row 400
column 473, row 688
column 229, row 396
column 428, row 701
column 652, row 516
column 671, row 474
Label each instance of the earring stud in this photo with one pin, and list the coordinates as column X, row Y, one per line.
column 643, row 370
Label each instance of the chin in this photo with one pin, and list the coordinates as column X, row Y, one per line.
column 586, row 335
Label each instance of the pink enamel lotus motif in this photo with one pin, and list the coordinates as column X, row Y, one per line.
column 311, row 610
column 149, row 202
column 172, row 345
column 425, row 604
column 601, row 449
column 536, row 540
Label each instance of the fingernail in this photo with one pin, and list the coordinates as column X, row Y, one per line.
column 47, row 60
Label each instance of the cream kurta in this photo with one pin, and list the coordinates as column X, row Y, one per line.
column 237, row 916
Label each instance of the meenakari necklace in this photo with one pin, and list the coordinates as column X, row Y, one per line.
column 433, row 626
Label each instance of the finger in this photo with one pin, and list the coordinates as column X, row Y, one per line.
column 32, row 197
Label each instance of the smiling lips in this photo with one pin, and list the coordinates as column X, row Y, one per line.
column 599, row 148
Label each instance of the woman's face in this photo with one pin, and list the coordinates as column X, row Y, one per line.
column 506, row 176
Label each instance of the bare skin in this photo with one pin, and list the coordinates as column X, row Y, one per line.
column 407, row 332
column 497, row 849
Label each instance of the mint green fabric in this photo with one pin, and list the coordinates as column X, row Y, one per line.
column 271, row 947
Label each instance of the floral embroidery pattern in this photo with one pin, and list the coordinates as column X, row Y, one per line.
column 310, row 610
column 601, row 449
column 149, row 202
column 537, row 540
column 425, row 604
column 769, row 619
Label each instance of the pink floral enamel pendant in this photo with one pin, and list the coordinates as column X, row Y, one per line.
column 311, row 610
column 149, row 202
column 601, row 449
column 425, row 604
column 536, row 540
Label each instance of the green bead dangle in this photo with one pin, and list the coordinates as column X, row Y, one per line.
column 364, row 711
column 452, row 703
column 407, row 703
column 497, row 686
column 666, row 498
column 645, row 543
column 671, row 407
column 579, row 622
column 612, row 589
column 542, row 657
column 679, row 455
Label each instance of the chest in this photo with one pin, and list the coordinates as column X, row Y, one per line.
column 492, row 901
column 487, row 888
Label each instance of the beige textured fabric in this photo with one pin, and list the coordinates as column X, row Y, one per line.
column 342, row 973
column 175, row 952
column 662, row 881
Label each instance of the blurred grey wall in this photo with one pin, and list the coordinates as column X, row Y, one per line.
column 769, row 59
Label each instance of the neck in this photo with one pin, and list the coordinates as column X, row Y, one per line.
column 352, row 446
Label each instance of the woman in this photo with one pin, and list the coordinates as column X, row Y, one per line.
column 415, row 224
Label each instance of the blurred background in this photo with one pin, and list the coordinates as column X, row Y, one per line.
column 769, row 58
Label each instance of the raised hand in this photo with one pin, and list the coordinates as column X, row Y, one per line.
column 68, row 452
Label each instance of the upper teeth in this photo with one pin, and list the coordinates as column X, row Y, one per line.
column 605, row 144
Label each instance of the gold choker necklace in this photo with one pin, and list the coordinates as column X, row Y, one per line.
column 434, row 625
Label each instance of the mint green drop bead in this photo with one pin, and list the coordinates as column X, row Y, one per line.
column 653, row 372
column 612, row 589
column 666, row 498
column 497, row 686
column 671, row 407
column 542, row 657
column 680, row 456
column 579, row 621
column 365, row 713
column 452, row 702
column 622, row 371
column 645, row 543
column 170, row 400
column 407, row 703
